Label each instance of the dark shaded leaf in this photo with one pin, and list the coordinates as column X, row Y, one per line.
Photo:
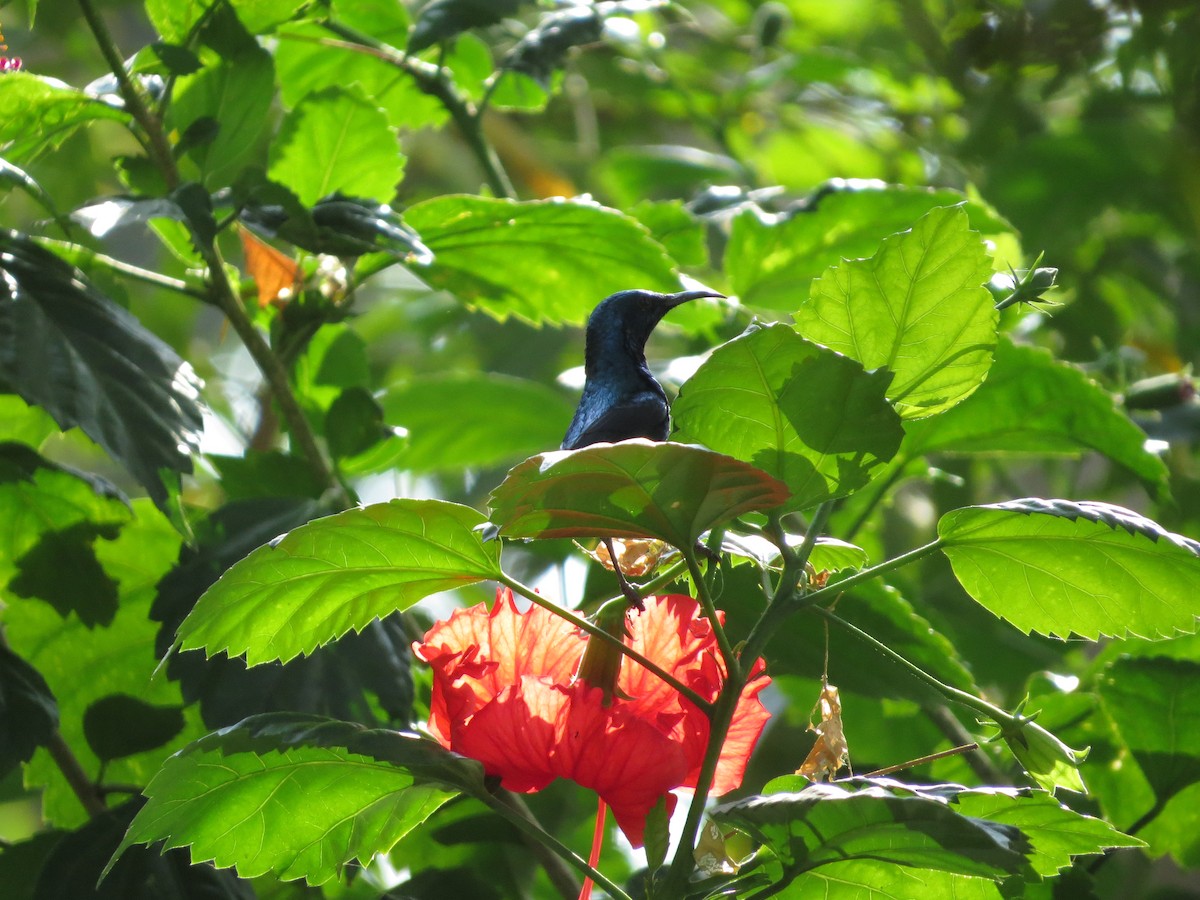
column 337, row 574
column 73, row 868
column 120, row 725
column 22, row 862
column 442, row 19
column 1061, row 567
column 268, row 474
column 28, row 711
column 89, row 363
column 541, row 51
column 543, row 260
column 353, row 423
column 807, row 415
column 62, row 569
column 635, row 488
column 230, row 797
column 1156, row 706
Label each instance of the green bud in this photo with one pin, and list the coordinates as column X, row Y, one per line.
column 1046, row 759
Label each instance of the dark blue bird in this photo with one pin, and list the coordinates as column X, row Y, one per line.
column 621, row 399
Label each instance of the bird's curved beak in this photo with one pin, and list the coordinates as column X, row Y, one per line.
column 674, row 300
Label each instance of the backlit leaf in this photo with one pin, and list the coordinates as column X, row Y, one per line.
column 1060, row 568
column 232, row 797
column 543, row 261
column 338, row 574
column 635, row 488
column 807, row 415
column 918, row 308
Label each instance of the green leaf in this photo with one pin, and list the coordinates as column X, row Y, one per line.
column 353, row 423
column 1156, row 707
column 121, row 725
column 237, row 94
column 22, row 423
column 635, row 488
column 862, row 879
column 83, row 664
column 337, row 574
column 69, row 349
column 1058, row 833
column 825, row 824
column 337, row 141
column 828, row 553
column 446, row 431
column 681, row 232
column 1033, row 404
column 442, row 19
column 233, row 797
column 305, row 67
column 38, row 114
column 38, row 497
column 807, row 415
column 918, row 307
column 175, row 19
column 772, row 258
column 1060, row 568
column 545, row 261
column 28, row 711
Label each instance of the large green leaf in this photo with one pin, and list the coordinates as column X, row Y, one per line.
column 237, row 94
column 89, row 363
column 1061, row 568
column 297, row 796
column 635, row 488
column 807, row 415
column 1057, row 833
column 1032, row 404
column 543, row 260
column 337, row 141
column 338, row 574
column 917, row 307
column 825, row 824
column 446, row 431
column 1156, row 705
column 83, row 664
column 38, row 114
column 771, row 259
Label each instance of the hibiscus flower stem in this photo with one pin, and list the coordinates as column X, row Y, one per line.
column 597, row 632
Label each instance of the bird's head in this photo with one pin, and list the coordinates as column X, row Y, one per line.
column 626, row 318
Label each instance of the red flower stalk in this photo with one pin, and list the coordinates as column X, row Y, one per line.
column 505, row 693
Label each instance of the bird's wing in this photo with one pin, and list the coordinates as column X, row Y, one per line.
column 644, row 415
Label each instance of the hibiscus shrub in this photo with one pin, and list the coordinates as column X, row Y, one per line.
column 364, row 645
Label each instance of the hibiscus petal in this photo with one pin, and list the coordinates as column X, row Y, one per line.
column 627, row 761
column 748, row 721
column 514, row 735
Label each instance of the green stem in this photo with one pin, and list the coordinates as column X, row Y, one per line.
column 896, row 562
column 953, row 694
column 597, row 632
column 815, row 527
column 535, row 831
column 136, row 99
column 732, row 667
column 131, row 271
column 432, row 80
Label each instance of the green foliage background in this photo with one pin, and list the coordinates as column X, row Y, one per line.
column 749, row 146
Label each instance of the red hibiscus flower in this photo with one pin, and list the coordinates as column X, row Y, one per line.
column 505, row 693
